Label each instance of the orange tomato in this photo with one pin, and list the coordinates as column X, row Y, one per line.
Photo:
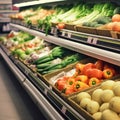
column 108, row 73
column 79, row 67
column 70, row 81
column 110, row 25
column 110, row 66
column 99, row 64
column 87, row 66
column 94, row 73
column 93, row 81
column 82, row 78
column 78, row 85
column 116, row 18
column 116, row 27
column 61, row 26
column 69, row 89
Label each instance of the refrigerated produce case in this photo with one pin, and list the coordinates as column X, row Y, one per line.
column 53, row 105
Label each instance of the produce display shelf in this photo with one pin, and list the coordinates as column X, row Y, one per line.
column 31, row 78
column 99, row 53
column 47, row 109
column 8, row 11
column 25, row 4
column 107, row 43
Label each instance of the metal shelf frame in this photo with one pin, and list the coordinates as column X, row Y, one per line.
column 42, row 94
column 47, row 109
column 98, row 53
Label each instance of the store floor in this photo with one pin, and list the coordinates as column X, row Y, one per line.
column 15, row 104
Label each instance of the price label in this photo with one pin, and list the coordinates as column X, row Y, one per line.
column 69, row 35
column 89, row 40
column 52, row 30
column 63, row 33
column 95, row 41
column 63, row 109
column 42, row 28
column 50, row 87
column 26, row 72
column 45, row 91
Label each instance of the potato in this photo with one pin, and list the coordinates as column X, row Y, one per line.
column 107, row 95
column 82, row 95
column 109, row 84
column 93, row 107
column 97, row 115
column 109, row 115
column 116, row 90
column 84, row 102
column 96, row 95
column 117, row 82
column 115, row 104
column 104, row 106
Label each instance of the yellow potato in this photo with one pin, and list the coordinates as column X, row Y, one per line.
column 109, row 115
column 82, row 95
column 107, row 95
column 84, row 102
column 104, row 106
column 116, row 89
column 97, row 115
column 96, row 95
column 93, row 107
column 109, row 84
column 115, row 104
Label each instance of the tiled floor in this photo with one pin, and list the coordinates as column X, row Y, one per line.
column 15, row 104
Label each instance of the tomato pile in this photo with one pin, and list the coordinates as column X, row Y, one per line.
column 85, row 76
column 115, row 24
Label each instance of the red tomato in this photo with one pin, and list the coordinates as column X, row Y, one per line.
column 61, row 83
column 82, row 78
column 10, row 35
column 69, row 89
column 94, row 73
column 79, row 67
column 61, row 26
column 99, row 64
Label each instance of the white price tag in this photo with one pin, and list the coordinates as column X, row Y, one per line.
column 52, row 30
column 45, row 91
column 95, row 41
column 63, row 33
column 50, row 87
column 63, row 109
column 69, row 35
column 89, row 40
column 26, row 72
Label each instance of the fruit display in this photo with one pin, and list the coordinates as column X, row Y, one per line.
column 114, row 25
column 93, row 15
column 100, row 103
column 83, row 76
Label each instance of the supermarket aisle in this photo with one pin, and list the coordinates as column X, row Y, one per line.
column 15, row 104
